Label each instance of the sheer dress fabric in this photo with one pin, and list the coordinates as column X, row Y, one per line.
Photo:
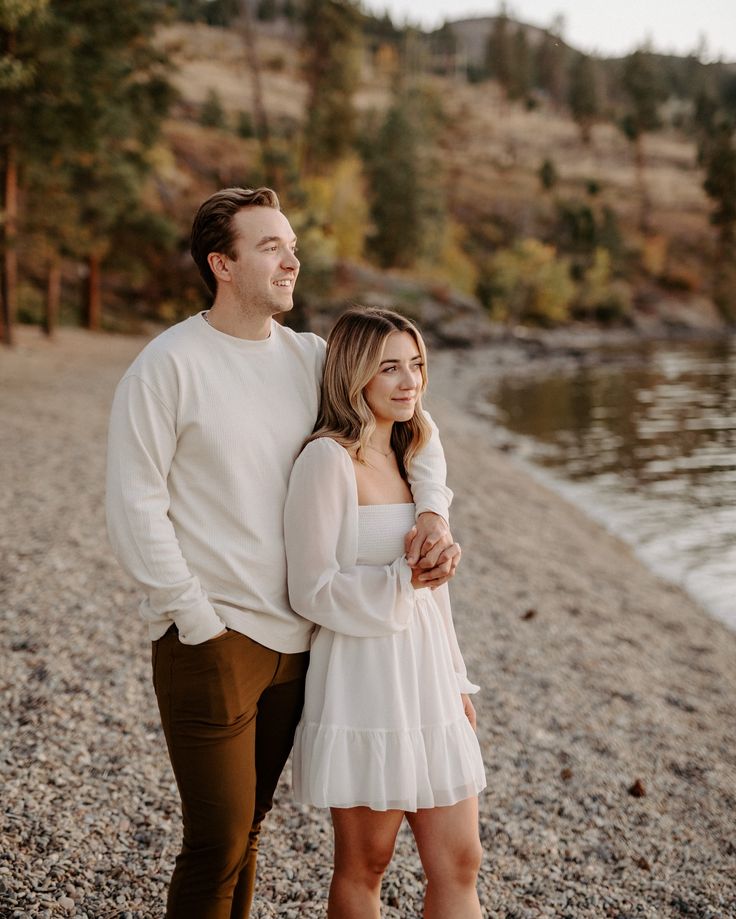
column 383, row 724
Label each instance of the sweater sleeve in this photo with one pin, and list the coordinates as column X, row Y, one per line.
column 442, row 597
column 364, row 601
column 427, row 474
column 141, row 445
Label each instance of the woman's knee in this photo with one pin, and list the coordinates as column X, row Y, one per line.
column 369, row 863
column 459, row 864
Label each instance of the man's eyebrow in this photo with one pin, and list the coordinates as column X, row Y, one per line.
column 272, row 239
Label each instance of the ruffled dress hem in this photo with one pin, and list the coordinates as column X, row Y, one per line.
column 407, row 770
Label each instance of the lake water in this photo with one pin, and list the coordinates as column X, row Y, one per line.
column 645, row 441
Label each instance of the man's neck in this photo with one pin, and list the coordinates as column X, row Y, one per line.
column 234, row 322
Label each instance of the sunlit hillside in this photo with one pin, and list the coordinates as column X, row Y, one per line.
column 487, row 160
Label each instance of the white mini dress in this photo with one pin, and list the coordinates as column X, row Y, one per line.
column 383, row 724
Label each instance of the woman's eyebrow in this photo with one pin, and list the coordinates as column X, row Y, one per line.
column 395, row 360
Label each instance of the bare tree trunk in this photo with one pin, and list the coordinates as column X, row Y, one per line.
column 271, row 172
column 53, row 296
column 8, row 293
column 94, row 293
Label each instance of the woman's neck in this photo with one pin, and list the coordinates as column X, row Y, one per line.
column 381, row 437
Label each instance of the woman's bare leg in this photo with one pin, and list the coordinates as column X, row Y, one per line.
column 364, row 844
column 450, row 850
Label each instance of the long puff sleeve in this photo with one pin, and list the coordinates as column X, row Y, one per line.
column 141, row 444
column 320, row 529
column 427, row 473
column 442, row 598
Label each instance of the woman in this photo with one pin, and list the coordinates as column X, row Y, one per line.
column 388, row 727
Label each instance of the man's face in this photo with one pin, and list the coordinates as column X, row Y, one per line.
column 265, row 271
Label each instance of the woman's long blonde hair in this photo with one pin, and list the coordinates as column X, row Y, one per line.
column 354, row 351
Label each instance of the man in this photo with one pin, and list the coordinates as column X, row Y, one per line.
column 205, row 427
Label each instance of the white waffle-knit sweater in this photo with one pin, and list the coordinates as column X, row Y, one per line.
column 204, row 431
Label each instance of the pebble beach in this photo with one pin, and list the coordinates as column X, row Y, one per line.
column 607, row 715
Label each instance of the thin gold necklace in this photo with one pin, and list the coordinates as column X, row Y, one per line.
column 386, row 455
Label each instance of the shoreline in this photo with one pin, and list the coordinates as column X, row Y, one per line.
column 470, row 378
column 605, row 714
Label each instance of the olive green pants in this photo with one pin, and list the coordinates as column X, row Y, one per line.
column 229, row 709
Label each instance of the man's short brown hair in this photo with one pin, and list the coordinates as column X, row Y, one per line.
column 213, row 231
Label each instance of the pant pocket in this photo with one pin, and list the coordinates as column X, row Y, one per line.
column 203, row 681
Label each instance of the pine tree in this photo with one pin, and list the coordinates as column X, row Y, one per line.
column 719, row 159
column 499, row 53
column 212, row 114
column 332, row 39
column 407, row 209
column 643, row 91
column 96, row 100
column 17, row 73
column 583, row 95
column 521, row 77
column 720, row 179
column 268, row 10
column 395, row 204
column 548, row 174
column 550, row 67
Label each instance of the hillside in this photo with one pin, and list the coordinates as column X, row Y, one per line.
column 488, row 155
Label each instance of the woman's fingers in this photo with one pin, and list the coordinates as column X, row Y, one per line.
column 445, row 568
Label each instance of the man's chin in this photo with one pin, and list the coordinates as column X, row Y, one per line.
column 285, row 306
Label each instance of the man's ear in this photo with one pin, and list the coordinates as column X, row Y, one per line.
column 219, row 266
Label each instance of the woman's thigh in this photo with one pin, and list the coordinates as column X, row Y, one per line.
column 364, row 838
column 448, row 838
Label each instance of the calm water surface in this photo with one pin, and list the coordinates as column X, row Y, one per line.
column 646, row 442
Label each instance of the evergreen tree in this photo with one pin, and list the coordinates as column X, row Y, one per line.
column 268, row 10
column 212, row 114
column 331, row 44
column 18, row 19
column 96, row 98
column 719, row 159
column 644, row 92
column 583, row 94
column 244, row 127
column 499, row 52
column 443, row 44
column 406, row 208
column 521, row 76
column 548, row 174
column 550, row 67
column 720, row 179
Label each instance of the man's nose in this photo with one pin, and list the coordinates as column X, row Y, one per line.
column 290, row 261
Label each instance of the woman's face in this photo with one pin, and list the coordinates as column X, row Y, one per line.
column 393, row 392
